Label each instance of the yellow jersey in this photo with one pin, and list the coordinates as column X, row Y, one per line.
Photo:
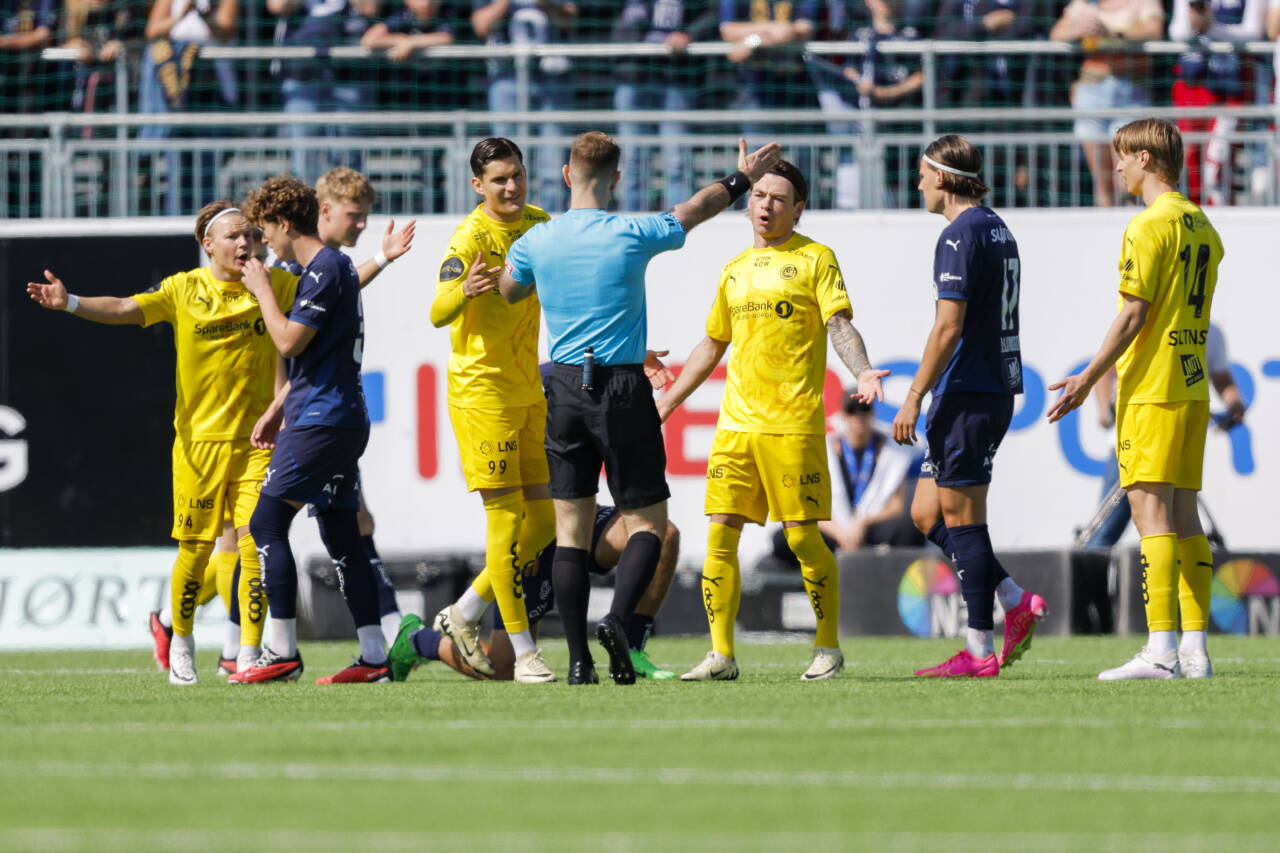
column 1170, row 259
column 226, row 360
column 773, row 305
column 493, row 362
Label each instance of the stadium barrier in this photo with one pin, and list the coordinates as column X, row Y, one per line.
column 121, row 162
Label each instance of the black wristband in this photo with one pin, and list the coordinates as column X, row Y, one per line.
column 737, row 184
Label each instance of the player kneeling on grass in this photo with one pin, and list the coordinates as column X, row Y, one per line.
column 972, row 363
column 776, row 304
column 226, row 374
column 326, row 429
column 417, row 643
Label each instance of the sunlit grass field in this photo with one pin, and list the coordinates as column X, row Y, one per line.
column 99, row 753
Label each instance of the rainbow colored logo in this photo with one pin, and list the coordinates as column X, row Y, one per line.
column 923, row 583
column 1234, row 584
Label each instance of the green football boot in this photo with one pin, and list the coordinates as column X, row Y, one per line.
column 646, row 668
column 404, row 658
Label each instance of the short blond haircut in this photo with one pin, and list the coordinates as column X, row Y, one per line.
column 594, row 155
column 343, row 185
column 1157, row 137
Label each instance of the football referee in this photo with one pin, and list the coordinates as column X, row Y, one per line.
column 588, row 266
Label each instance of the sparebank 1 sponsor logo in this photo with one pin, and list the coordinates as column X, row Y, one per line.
column 1032, row 404
column 929, row 601
column 1245, row 598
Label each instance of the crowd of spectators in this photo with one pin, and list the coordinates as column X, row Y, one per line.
column 765, row 68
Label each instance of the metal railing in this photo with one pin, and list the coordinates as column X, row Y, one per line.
column 96, row 164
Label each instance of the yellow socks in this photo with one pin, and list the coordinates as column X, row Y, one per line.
column 185, row 583
column 1194, row 582
column 821, row 581
column 218, row 575
column 722, row 585
column 253, row 598
column 537, row 531
column 504, row 514
column 1160, row 580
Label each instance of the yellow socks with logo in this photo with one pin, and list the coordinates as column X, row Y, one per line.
column 537, row 531
column 1194, row 581
column 1159, row 563
column 821, row 580
column 504, row 514
column 185, row 583
column 722, row 585
column 253, row 598
column 218, row 575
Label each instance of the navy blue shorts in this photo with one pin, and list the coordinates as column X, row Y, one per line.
column 317, row 465
column 963, row 432
column 539, row 596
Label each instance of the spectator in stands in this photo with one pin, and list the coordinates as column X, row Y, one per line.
column 651, row 83
column 991, row 79
column 771, row 76
column 1203, row 79
column 26, row 28
column 875, row 79
column 97, row 30
column 503, row 22
column 174, row 78
column 322, row 84
column 418, row 25
column 1112, row 74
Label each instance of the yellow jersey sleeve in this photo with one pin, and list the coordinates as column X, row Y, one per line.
column 1170, row 259
column 285, row 286
column 774, row 304
column 493, row 360
column 828, row 285
column 159, row 303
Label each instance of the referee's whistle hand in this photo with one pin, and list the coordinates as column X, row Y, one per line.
column 757, row 164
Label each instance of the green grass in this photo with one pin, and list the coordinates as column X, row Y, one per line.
column 99, row 753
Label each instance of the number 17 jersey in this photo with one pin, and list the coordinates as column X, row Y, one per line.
column 1170, row 259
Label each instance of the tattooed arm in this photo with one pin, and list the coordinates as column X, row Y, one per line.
column 853, row 352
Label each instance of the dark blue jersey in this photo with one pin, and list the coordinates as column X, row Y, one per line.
column 325, row 378
column 976, row 260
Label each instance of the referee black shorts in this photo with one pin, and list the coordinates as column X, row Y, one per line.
column 615, row 424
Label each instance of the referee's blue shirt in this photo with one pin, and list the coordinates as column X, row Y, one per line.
column 589, row 268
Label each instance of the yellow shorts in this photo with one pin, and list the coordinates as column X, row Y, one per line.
column 1162, row 443
column 781, row 476
column 501, row 448
column 213, row 479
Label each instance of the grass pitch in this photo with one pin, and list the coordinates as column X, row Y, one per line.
column 99, row 753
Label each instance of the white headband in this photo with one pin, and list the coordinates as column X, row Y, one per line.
column 944, row 168
column 222, row 213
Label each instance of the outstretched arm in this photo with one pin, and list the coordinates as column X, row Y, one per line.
column 710, row 200
column 853, row 352
column 112, row 310
column 704, row 358
column 1124, row 328
column 394, row 244
column 512, row 290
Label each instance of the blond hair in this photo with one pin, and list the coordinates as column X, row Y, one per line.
column 344, row 185
column 594, row 155
column 1160, row 139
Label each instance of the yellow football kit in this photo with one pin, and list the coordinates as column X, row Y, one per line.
column 496, row 403
column 1169, row 259
column 769, row 451
column 225, row 378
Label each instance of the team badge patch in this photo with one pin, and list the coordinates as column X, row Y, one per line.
column 451, row 268
column 788, row 272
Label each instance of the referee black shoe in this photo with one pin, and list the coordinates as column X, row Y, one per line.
column 583, row 672
column 613, row 636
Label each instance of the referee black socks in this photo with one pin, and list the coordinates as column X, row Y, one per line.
column 636, row 565
column 573, row 588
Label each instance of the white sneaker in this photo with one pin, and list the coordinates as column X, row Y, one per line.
column 826, row 663
column 1195, row 663
column 182, row 666
column 465, row 636
column 532, row 669
column 1146, row 665
column 714, row 667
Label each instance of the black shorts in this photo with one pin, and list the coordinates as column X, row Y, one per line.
column 615, row 424
column 539, row 594
column 964, row 432
column 317, row 465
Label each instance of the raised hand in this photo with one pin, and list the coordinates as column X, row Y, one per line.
column 757, row 164
column 395, row 244
column 52, row 295
column 480, row 279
